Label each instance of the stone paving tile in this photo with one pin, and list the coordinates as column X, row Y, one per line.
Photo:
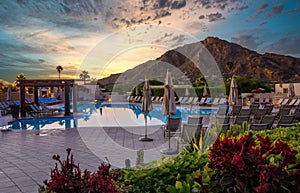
column 26, row 156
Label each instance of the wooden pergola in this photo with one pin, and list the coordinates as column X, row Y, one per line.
column 36, row 84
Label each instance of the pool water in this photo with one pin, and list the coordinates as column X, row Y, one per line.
column 107, row 115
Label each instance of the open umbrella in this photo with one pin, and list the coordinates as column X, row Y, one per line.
column 291, row 90
column 168, row 107
column 146, row 107
column 233, row 93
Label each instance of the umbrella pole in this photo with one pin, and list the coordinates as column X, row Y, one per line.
column 145, row 138
column 146, row 127
column 169, row 137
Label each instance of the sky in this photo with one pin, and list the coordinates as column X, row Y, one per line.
column 105, row 37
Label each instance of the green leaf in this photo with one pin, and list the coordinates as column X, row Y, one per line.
column 178, row 185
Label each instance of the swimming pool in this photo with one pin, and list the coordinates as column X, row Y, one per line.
column 107, row 115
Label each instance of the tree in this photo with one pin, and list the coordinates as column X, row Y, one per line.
column 200, row 81
column 18, row 79
column 59, row 68
column 84, row 75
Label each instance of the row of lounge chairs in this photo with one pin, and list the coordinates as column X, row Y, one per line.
column 278, row 103
column 35, row 110
column 194, row 126
column 266, row 115
column 183, row 100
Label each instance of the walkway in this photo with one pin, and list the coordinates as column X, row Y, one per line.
column 26, row 156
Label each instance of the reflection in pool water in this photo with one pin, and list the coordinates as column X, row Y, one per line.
column 106, row 115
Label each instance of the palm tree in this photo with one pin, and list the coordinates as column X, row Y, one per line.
column 59, row 68
column 19, row 77
column 84, row 75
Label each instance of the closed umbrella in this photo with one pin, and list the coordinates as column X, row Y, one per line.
column 233, row 93
column 136, row 91
column 168, row 104
column 8, row 97
column 146, row 107
column 168, row 107
column 205, row 93
column 187, row 92
column 291, row 90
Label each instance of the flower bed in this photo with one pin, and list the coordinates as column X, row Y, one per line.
column 258, row 162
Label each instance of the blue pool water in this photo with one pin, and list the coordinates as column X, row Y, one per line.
column 92, row 111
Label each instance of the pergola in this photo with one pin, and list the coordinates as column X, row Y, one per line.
column 36, row 84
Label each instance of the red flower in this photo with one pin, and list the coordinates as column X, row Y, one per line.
column 238, row 161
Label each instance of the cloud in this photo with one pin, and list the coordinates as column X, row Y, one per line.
column 262, row 6
column 248, row 41
column 201, row 17
column 277, row 9
column 285, row 45
column 214, row 17
column 242, row 8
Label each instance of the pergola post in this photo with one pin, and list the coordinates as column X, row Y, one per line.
column 22, row 101
column 67, row 99
column 36, row 95
column 74, row 97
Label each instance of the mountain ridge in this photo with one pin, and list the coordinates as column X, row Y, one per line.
column 267, row 67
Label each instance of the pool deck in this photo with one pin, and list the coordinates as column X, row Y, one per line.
column 26, row 155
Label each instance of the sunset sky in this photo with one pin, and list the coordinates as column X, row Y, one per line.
column 110, row 36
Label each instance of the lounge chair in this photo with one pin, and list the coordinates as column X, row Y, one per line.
column 190, row 132
column 285, row 101
column 285, row 121
column 283, row 111
column 235, row 110
column 195, row 101
column 156, row 100
column 259, row 114
column 215, row 101
column 208, row 101
column 240, row 119
column 269, row 108
column 292, row 102
column 184, row 99
column 222, row 110
column 225, row 127
column 129, row 98
column 296, row 114
column 244, row 112
column 173, row 126
column 297, row 103
column 258, row 127
column 223, row 119
column 267, row 119
column 195, row 119
column 202, row 101
column 222, row 101
column 253, row 108
column 188, row 101
column 279, row 102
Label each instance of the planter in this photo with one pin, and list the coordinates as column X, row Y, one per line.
column 15, row 111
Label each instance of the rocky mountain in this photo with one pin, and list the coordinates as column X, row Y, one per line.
column 230, row 59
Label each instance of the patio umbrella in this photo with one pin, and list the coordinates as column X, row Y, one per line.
column 8, row 96
column 136, row 90
column 168, row 107
column 233, row 93
column 146, row 107
column 291, row 90
column 205, row 93
column 187, row 92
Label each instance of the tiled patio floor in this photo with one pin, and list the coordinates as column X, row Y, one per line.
column 26, row 156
